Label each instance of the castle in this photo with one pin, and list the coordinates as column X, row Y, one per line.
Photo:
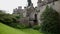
column 31, row 15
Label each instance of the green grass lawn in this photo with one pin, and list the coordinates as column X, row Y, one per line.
column 4, row 29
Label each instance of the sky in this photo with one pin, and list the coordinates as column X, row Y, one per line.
column 9, row 5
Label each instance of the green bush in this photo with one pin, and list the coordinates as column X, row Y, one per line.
column 36, row 27
column 50, row 20
column 11, row 20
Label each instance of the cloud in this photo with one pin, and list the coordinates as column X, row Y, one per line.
column 9, row 5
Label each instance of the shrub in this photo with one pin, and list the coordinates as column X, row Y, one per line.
column 11, row 20
column 36, row 27
column 50, row 20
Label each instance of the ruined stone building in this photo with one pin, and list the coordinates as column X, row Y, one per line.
column 31, row 15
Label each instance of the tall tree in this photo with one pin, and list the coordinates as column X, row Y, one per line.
column 50, row 21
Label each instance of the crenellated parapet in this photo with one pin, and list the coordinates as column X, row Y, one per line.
column 44, row 2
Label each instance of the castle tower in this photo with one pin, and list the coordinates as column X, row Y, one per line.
column 15, row 11
column 29, row 2
column 39, row 3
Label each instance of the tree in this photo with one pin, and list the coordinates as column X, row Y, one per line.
column 50, row 20
column 11, row 20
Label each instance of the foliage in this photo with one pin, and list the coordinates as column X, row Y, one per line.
column 11, row 20
column 50, row 20
column 36, row 27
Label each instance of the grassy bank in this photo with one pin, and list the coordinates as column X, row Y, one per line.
column 4, row 29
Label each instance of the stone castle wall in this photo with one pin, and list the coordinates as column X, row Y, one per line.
column 32, row 11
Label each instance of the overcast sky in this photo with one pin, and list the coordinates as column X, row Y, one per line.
column 9, row 5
